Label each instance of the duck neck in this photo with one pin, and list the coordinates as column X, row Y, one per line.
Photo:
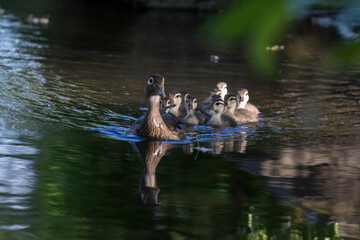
column 190, row 113
column 175, row 109
column 216, row 117
column 242, row 104
column 153, row 119
column 231, row 110
column 154, row 106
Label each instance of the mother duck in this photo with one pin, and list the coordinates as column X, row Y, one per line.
column 154, row 125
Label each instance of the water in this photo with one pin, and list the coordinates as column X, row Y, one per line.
column 70, row 89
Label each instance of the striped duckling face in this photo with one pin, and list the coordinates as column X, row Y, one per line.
column 230, row 100
column 175, row 98
column 218, row 106
column 184, row 94
column 165, row 102
column 191, row 103
column 242, row 96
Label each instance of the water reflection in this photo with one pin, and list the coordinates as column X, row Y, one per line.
column 150, row 153
column 17, row 181
column 219, row 140
column 303, row 151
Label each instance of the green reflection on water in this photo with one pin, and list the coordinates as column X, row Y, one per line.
column 88, row 188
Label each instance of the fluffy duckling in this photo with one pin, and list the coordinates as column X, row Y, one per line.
column 165, row 105
column 240, row 115
column 205, row 106
column 193, row 116
column 176, row 109
column 219, row 119
column 184, row 94
column 152, row 124
column 243, row 98
column 222, row 86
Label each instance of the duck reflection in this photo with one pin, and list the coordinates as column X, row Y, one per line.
column 217, row 147
column 151, row 153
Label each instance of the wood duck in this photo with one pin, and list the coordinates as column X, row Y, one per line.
column 152, row 124
column 177, row 110
column 184, row 94
column 193, row 115
column 243, row 98
column 165, row 105
column 222, row 86
column 241, row 115
column 205, row 106
column 219, row 119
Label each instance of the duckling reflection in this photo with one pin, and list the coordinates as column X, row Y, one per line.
column 150, row 153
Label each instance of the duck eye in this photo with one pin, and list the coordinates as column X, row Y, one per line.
column 151, row 81
column 194, row 101
column 177, row 96
column 217, row 104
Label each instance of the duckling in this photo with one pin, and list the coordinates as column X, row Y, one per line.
column 243, row 98
column 219, row 119
column 222, row 86
column 176, row 109
column 193, row 115
column 241, row 115
column 182, row 108
column 184, row 94
column 153, row 125
column 205, row 106
column 165, row 105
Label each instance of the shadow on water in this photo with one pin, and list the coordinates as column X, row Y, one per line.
column 67, row 170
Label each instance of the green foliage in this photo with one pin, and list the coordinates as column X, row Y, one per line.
column 261, row 24
column 257, row 24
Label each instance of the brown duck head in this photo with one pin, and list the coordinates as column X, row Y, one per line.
column 155, row 86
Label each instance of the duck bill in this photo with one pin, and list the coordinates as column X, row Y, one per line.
column 160, row 92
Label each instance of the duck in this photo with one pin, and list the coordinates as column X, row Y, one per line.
column 222, row 86
column 177, row 110
column 205, row 106
column 219, row 119
column 165, row 105
column 153, row 125
column 240, row 115
column 193, row 116
column 243, row 101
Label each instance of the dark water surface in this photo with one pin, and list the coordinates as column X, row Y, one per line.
column 70, row 89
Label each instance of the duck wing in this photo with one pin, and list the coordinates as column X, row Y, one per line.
column 250, row 107
column 228, row 121
column 135, row 126
column 173, row 124
column 244, row 116
column 202, row 116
